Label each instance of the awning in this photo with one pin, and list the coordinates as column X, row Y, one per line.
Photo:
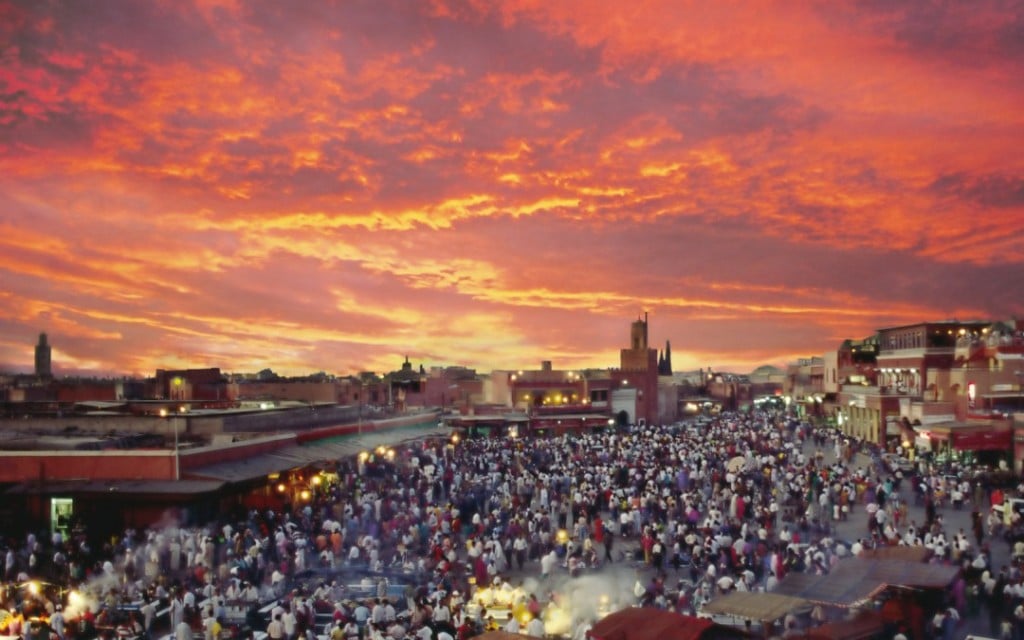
column 252, row 468
column 833, row 589
column 909, row 574
column 856, row 579
column 645, row 623
column 100, row 404
column 298, row 456
column 763, row 607
column 117, row 487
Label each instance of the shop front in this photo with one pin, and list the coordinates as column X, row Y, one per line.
column 967, row 443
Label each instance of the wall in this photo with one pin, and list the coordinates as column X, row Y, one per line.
column 22, row 466
column 94, row 424
column 159, row 464
column 302, row 391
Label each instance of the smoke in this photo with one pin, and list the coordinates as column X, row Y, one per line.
column 587, row 598
column 90, row 595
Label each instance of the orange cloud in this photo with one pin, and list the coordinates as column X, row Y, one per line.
column 334, row 186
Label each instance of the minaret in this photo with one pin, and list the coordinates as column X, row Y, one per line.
column 43, row 358
column 668, row 358
column 638, row 334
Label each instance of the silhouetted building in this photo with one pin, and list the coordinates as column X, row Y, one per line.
column 635, row 388
column 665, row 361
column 43, row 369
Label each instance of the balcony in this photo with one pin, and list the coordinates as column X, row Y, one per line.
column 879, row 390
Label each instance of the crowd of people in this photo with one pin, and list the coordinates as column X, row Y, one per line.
column 734, row 504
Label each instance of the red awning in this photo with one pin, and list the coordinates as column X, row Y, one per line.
column 982, row 441
column 635, row 623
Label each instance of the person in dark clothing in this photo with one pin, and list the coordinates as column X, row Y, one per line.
column 929, row 510
column 609, row 537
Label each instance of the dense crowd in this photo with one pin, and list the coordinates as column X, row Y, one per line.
column 730, row 504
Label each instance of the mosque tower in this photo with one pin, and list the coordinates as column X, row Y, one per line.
column 43, row 369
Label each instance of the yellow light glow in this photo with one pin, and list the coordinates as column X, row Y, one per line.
column 363, row 455
column 281, row 488
column 316, row 480
column 304, row 494
column 33, row 588
column 557, row 621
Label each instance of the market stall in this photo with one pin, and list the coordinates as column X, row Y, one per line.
column 644, row 623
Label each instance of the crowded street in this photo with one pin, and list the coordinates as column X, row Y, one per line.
column 448, row 537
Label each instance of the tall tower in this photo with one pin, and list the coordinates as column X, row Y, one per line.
column 638, row 357
column 638, row 334
column 43, row 358
column 639, row 371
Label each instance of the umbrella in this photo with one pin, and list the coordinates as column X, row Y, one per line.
column 736, row 464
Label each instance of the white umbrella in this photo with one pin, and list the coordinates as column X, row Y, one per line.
column 736, row 464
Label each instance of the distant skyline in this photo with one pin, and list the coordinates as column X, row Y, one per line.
column 334, row 186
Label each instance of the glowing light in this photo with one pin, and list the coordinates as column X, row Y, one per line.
column 316, row 480
column 557, row 621
column 304, row 494
column 281, row 488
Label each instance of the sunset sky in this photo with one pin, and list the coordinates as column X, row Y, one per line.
column 315, row 186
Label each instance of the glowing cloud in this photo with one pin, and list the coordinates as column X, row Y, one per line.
column 325, row 187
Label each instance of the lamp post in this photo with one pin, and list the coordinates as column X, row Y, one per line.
column 177, row 452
